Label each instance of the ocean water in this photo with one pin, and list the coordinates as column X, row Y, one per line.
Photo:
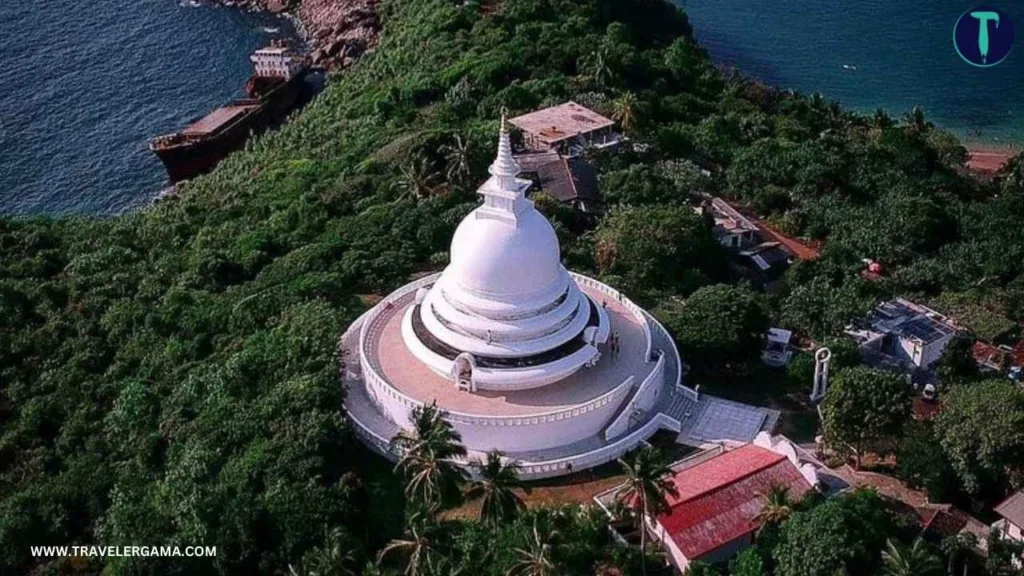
column 85, row 84
column 902, row 52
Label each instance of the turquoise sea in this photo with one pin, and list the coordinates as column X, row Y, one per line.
column 869, row 54
column 84, row 85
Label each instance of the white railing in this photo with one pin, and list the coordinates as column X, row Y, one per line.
column 679, row 360
column 371, row 438
column 656, row 379
column 636, row 310
column 391, row 299
column 599, row 456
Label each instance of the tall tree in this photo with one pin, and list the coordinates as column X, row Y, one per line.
column 419, row 549
column 496, row 486
column 776, row 508
column 536, row 559
column 956, row 365
column 981, row 429
column 865, row 407
column 657, row 248
column 457, row 156
column 427, row 456
column 841, row 535
column 626, row 111
column 719, row 325
column 916, row 122
column 646, row 490
column 957, row 549
column 922, row 463
column 913, row 560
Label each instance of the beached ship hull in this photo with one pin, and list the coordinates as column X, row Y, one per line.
column 186, row 157
column 277, row 88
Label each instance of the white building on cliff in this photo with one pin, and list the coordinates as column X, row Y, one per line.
column 518, row 351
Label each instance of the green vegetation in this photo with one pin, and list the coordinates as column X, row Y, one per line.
column 841, row 535
column 981, row 429
column 864, row 408
column 171, row 375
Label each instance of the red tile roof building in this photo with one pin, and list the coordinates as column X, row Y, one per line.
column 714, row 514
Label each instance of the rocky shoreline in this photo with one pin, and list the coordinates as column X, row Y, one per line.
column 338, row 31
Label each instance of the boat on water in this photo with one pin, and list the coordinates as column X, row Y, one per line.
column 276, row 87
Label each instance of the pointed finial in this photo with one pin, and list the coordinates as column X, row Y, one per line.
column 504, row 113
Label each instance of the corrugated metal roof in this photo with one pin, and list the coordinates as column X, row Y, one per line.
column 719, row 499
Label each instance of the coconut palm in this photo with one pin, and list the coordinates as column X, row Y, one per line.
column 427, row 457
column 496, row 487
column 337, row 557
column 596, row 67
column 418, row 550
column 625, row 110
column 536, row 559
column 956, row 548
column 916, row 122
column 881, row 119
column 457, row 158
column 913, row 560
column 777, row 507
column 416, row 178
column 648, row 484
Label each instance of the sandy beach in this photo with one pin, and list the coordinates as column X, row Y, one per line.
column 988, row 158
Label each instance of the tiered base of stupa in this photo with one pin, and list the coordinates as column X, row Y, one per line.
column 592, row 416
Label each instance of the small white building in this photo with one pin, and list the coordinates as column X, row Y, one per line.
column 1012, row 512
column 732, row 229
column 777, row 352
column 909, row 334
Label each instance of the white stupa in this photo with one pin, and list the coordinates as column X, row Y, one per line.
column 555, row 369
column 505, row 313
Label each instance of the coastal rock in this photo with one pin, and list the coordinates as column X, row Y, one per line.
column 338, row 31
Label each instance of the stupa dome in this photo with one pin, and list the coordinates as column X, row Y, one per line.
column 502, row 260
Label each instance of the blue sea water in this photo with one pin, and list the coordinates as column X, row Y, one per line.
column 903, row 54
column 84, row 85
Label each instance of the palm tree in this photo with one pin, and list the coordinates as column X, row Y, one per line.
column 955, row 547
column 496, row 486
column 337, row 557
column 457, row 157
column 916, row 122
column 777, row 507
column 417, row 549
column 914, row 560
column 648, row 484
column 625, row 109
column 535, row 559
column 427, row 457
column 416, row 178
column 596, row 67
column 881, row 119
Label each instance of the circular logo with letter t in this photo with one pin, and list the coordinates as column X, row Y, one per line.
column 983, row 36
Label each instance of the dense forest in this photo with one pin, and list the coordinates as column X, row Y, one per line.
column 170, row 376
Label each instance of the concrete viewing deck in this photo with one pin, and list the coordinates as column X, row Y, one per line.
column 390, row 357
